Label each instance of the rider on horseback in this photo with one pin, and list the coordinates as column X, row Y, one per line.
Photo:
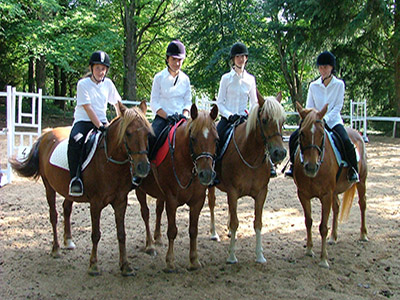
column 93, row 93
column 328, row 89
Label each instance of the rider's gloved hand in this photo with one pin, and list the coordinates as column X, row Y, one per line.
column 233, row 118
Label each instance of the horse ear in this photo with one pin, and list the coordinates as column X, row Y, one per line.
column 260, row 98
column 279, row 97
column 193, row 111
column 143, row 106
column 122, row 108
column 214, row 112
column 322, row 112
column 300, row 110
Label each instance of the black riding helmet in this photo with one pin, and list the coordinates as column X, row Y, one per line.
column 238, row 49
column 327, row 58
column 101, row 58
column 176, row 49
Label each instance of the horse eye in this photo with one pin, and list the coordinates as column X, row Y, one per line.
column 128, row 134
column 264, row 121
column 193, row 140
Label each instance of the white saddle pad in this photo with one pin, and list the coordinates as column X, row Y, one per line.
column 59, row 156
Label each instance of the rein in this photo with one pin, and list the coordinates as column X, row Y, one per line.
column 265, row 142
column 195, row 158
column 321, row 150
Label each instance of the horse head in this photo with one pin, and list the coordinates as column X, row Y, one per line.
column 311, row 139
column 133, row 132
column 203, row 138
column 269, row 116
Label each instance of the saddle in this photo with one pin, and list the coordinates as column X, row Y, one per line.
column 59, row 156
column 226, row 138
column 338, row 147
column 161, row 147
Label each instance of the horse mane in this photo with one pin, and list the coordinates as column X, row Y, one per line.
column 271, row 110
column 309, row 120
column 202, row 121
column 129, row 116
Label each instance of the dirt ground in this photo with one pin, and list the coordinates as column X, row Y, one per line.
column 358, row 270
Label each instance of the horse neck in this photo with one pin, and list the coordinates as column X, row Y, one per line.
column 182, row 150
column 253, row 143
column 114, row 150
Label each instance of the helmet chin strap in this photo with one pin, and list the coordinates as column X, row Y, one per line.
column 326, row 78
column 94, row 77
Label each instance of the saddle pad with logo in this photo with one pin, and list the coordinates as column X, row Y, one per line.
column 163, row 151
column 59, row 156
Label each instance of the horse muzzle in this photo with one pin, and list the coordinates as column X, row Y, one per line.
column 311, row 169
column 206, row 176
column 142, row 168
column 277, row 154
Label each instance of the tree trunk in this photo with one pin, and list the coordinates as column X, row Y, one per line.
column 41, row 73
column 31, row 72
column 130, row 48
column 396, row 55
column 56, row 74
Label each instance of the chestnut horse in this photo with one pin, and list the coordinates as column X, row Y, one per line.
column 182, row 178
column 122, row 152
column 245, row 167
column 315, row 174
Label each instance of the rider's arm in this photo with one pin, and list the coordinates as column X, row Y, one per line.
column 92, row 115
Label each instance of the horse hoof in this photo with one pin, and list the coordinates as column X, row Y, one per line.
column 127, row 271
column 232, row 260
column 55, row 253
column 170, row 270
column 363, row 238
column 215, row 237
column 332, row 241
column 310, row 253
column 261, row 260
column 151, row 251
column 194, row 266
column 94, row 271
column 69, row 244
column 324, row 264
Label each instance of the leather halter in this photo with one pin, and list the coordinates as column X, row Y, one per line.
column 265, row 142
column 320, row 149
column 195, row 157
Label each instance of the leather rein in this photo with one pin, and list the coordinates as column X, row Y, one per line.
column 321, row 150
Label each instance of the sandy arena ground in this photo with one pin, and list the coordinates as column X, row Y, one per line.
column 358, row 270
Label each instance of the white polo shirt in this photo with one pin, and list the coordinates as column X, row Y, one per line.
column 97, row 95
column 235, row 93
column 333, row 94
column 172, row 94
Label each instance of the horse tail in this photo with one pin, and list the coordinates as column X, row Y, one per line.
column 348, row 197
column 28, row 167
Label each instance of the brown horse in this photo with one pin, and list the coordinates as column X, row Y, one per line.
column 315, row 174
column 182, row 178
column 121, row 152
column 245, row 167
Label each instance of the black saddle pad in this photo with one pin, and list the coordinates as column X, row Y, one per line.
column 338, row 143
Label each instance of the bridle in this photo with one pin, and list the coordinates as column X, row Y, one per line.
column 320, row 149
column 129, row 153
column 195, row 157
column 265, row 142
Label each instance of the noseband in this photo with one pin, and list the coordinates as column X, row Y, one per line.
column 321, row 150
column 265, row 142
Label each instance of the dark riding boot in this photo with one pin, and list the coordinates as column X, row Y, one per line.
column 289, row 173
column 352, row 175
column 76, row 184
column 272, row 171
column 136, row 181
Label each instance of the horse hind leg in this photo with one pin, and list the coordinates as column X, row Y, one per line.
column 144, row 210
column 67, row 207
column 51, row 200
column 335, row 210
column 95, row 213
column 157, row 230
column 362, row 202
column 211, row 204
column 233, row 226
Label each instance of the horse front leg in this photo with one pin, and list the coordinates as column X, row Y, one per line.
column 171, row 233
column 119, row 211
column 51, row 200
column 95, row 213
column 259, row 205
column 144, row 210
column 193, row 232
column 326, row 202
column 211, row 204
column 233, row 226
column 67, row 208
column 335, row 210
column 306, row 204
column 157, row 230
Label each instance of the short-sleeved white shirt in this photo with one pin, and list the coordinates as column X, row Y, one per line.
column 333, row 94
column 172, row 94
column 97, row 95
column 235, row 93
